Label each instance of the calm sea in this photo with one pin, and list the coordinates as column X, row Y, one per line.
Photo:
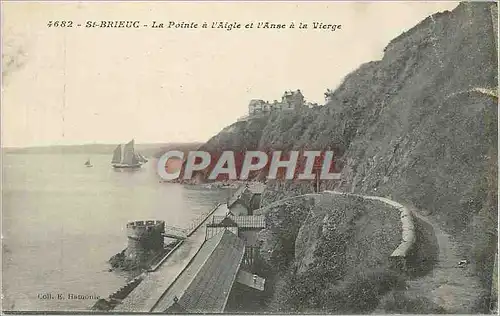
column 63, row 221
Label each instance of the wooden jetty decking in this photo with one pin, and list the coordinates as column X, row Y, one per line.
column 204, row 286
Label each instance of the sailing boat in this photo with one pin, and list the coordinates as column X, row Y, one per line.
column 125, row 157
column 88, row 164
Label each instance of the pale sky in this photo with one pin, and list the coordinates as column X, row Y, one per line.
column 176, row 85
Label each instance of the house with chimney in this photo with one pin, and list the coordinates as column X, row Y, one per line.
column 290, row 100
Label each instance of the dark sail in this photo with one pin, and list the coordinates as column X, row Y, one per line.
column 129, row 156
column 125, row 156
column 117, row 155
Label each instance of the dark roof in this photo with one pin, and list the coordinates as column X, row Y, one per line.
column 222, row 221
column 210, row 288
column 245, row 221
column 228, row 222
column 246, row 198
column 245, row 193
column 236, row 196
column 176, row 308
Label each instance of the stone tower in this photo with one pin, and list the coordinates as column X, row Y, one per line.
column 144, row 238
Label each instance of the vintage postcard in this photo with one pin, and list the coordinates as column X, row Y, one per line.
column 249, row 157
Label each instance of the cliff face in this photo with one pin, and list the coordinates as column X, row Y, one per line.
column 429, row 137
column 240, row 136
column 420, row 126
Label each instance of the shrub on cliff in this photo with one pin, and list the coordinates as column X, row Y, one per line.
column 283, row 221
column 361, row 292
column 398, row 303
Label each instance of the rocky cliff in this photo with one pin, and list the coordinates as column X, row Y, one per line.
column 419, row 125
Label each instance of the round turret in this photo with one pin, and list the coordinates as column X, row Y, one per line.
column 144, row 237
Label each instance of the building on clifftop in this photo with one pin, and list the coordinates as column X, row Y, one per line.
column 328, row 95
column 258, row 106
column 291, row 100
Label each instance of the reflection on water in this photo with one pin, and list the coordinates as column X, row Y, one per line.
column 62, row 221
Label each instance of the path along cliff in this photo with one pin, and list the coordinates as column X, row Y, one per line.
column 451, row 285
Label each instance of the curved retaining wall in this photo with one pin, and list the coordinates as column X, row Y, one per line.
column 408, row 237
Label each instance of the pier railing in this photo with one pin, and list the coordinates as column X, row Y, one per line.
column 200, row 219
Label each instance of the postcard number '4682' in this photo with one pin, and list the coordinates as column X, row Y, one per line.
column 60, row 24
